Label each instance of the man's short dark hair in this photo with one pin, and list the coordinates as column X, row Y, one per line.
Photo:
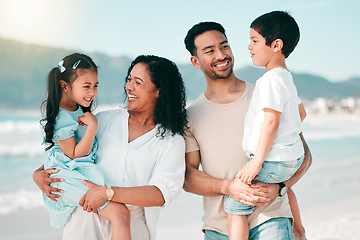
column 278, row 25
column 198, row 29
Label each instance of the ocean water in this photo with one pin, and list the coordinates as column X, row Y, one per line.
column 335, row 172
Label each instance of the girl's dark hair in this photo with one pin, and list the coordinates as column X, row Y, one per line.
column 71, row 67
column 170, row 107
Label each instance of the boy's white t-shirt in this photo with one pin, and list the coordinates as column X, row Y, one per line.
column 275, row 90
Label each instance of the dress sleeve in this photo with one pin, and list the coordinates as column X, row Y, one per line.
column 65, row 126
column 169, row 172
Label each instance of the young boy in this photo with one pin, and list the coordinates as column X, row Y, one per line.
column 272, row 123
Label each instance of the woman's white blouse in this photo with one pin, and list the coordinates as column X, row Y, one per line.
column 147, row 160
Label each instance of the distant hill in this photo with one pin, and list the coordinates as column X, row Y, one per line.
column 310, row 86
column 23, row 70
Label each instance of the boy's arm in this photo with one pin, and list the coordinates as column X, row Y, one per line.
column 267, row 136
column 83, row 147
column 200, row 183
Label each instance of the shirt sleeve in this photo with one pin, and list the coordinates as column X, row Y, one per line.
column 169, row 171
column 273, row 93
column 298, row 100
column 65, row 126
column 191, row 144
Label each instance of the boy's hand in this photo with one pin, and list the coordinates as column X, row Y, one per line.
column 88, row 119
column 249, row 172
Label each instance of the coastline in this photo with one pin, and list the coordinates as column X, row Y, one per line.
column 333, row 116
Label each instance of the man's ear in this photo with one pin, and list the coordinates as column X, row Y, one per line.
column 277, row 45
column 195, row 61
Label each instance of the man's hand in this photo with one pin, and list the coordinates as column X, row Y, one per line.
column 247, row 194
column 270, row 190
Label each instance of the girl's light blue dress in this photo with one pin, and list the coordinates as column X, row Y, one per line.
column 72, row 171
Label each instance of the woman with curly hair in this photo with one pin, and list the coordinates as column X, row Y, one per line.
column 141, row 152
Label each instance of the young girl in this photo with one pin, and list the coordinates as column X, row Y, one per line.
column 71, row 144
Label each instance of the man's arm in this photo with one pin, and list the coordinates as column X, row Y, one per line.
column 307, row 155
column 304, row 166
column 200, row 183
column 302, row 112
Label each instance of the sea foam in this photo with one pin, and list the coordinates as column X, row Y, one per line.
column 20, row 138
column 21, row 199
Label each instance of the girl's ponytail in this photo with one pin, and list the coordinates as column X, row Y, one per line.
column 51, row 105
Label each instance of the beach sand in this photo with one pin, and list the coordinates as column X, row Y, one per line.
column 334, row 221
column 322, row 222
column 174, row 223
column 34, row 224
column 31, row 224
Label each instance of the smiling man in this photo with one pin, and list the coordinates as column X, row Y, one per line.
column 214, row 140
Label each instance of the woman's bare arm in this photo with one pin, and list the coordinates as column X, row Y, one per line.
column 145, row 196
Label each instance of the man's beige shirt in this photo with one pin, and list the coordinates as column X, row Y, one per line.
column 217, row 131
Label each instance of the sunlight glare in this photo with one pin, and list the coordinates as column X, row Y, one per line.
column 22, row 18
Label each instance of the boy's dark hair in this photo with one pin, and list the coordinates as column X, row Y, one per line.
column 278, row 25
column 198, row 29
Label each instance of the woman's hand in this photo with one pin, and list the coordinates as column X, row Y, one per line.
column 93, row 198
column 42, row 178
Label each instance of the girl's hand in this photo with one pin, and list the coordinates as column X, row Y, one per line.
column 88, row 119
column 249, row 172
column 42, row 179
column 93, row 198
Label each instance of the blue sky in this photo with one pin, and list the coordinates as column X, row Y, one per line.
column 329, row 45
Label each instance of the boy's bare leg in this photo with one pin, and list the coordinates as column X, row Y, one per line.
column 238, row 227
column 298, row 228
column 119, row 216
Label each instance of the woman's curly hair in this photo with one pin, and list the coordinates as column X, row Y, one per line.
column 170, row 108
